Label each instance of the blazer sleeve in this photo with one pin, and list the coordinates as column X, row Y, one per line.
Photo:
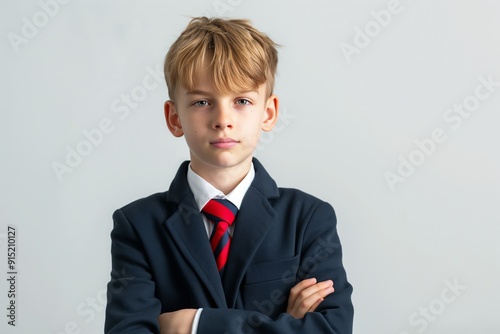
column 132, row 306
column 321, row 257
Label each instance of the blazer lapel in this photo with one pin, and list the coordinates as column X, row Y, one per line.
column 188, row 232
column 252, row 224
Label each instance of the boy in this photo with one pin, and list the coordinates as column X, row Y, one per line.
column 225, row 250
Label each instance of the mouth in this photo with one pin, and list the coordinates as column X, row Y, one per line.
column 224, row 143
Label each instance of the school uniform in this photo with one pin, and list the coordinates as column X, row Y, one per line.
column 162, row 262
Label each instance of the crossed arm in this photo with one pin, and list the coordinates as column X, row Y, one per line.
column 304, row 297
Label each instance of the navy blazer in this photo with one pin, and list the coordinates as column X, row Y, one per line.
column 162, row 262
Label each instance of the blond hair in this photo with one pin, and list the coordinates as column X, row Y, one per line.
column 238, row 56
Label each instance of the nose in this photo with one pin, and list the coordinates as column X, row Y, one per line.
column 222, row 117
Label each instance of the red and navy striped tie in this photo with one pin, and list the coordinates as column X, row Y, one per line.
column 221, row 212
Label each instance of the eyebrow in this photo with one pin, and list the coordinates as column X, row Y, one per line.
column 197, row 92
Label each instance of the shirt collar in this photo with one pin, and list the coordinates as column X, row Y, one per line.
column 204, row 191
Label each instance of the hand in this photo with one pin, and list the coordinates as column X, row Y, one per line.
column 177, row 322
column 306, row 296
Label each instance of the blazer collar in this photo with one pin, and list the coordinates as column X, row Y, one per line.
column 262, row 182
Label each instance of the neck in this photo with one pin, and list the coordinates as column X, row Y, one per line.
column 223, row 178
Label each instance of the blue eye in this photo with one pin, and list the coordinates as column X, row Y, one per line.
column 201, row 103
column 243, row 102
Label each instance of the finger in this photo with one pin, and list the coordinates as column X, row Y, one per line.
column 303, row 284
column 305, row 295
column 298, row 288
column 310, row 284
column 315, row 305
column 295, row 291
column 323, row 293
column 311, row 290
column 309, row 296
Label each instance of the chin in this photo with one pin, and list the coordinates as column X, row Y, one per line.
column 228, row 162
column 221, row 159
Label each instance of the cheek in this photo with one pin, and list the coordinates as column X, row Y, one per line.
column 254, row 135
column 192, row 135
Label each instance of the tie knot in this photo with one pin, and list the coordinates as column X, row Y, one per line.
column 220, row 210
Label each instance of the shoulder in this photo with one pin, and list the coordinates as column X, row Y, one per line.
column 155, row 205
column 287, row 199
column 311, row 216
column 265, row 184
column 293, row 194
column 147, row 201
column 302, row 201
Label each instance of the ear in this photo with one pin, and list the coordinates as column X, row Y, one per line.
column 172, row 119
column 271, row 113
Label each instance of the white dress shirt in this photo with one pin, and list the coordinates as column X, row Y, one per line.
column 204, row 192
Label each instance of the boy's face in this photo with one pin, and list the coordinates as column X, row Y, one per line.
column 221, row 130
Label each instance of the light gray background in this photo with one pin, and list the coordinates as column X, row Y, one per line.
column 346, row 123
